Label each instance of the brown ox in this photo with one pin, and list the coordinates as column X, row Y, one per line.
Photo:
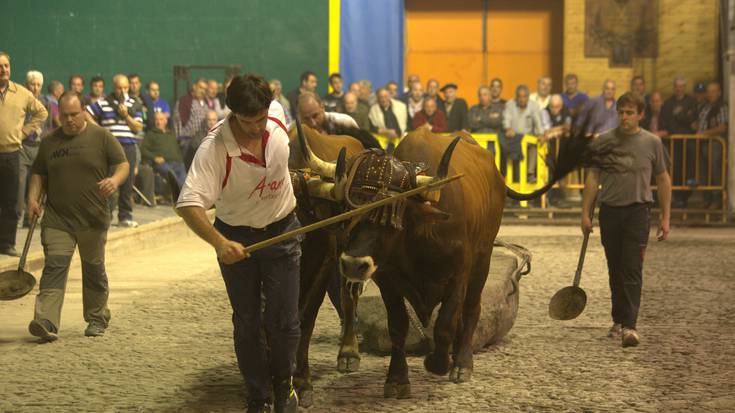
column 434, row 252
column 319, row 263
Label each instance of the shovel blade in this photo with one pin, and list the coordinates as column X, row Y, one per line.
column 568, row 303
column 15, row 284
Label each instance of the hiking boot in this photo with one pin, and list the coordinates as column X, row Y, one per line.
column 630, row 337
column 259, row 406
column 94, row 330
column 285, row 397
column 44, row 330
column 615, row 331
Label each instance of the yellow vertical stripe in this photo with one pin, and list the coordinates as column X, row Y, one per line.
column 334, row 10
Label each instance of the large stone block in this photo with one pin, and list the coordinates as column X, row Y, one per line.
column 498, row 313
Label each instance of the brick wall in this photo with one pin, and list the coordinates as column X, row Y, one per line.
column 688, row 36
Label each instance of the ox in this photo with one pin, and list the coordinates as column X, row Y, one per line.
column 320, row 251
column 432, row 253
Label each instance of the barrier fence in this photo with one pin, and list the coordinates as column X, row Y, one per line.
column 695, row 163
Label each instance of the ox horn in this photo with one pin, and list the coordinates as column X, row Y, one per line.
column 317, row 165
column 443, row 170
column 327, row 190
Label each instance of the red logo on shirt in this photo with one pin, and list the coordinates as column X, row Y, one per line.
column 272, row 188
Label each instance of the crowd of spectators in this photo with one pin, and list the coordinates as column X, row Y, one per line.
column 157, row 139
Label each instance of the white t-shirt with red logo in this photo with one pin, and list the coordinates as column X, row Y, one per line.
column 244, row 190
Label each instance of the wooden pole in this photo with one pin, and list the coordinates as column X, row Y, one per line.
column 349, row 214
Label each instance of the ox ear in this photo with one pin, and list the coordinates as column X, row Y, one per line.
column 426, row 213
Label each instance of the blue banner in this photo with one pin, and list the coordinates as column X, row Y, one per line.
column 372, row 41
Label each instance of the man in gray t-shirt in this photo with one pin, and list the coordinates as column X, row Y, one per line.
column 626, row 198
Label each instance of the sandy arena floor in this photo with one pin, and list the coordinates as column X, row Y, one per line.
column 169, row 346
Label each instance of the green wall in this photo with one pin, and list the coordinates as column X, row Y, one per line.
column 276, row 38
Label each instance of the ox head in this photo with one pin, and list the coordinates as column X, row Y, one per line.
column 371, row 243
column 372, row 239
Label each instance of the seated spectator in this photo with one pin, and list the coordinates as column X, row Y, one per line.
column 554, row 118
column 414, row 101
column 392, row 88
column 388, row 117
column 411, row 79
column 366, row 92
column 543, row 92
column 679, row 114
column 76, row 83
column 652, row 120
column 521, row 117
column 190, row 113
column 155, row 104
column 161, row 150
column 357, row 90
column 700, row 95
column 276, row 88
column 213, row 102
column 333, row 102
column 430, row 117
column 574, row 100
column 97, row 90
column 307, row 83
column 51, row 102
column 356, row 110
column 211, row 119
column 713, row 120
column 487, row 116
column 432, row 90
column 455, row 109
column 600, row 113
column 638, row 86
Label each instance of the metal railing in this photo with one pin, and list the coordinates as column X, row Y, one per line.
column 696, row 163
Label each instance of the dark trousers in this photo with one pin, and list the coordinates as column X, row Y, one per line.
column 624, row 232
column 9, row 170
column 125, row 198
column 176, row 167
column 274, row 271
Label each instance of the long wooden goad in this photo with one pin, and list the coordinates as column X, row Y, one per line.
column 349, row 214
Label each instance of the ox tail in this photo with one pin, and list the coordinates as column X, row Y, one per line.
column 578, row 150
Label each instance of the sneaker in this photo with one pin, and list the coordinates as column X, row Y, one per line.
column 615, row 331
column 286, row 400
column 44, row 330
column 94, row 330
column 127, row 223
column 630, row 337
column 259, row 406
column 10, row 251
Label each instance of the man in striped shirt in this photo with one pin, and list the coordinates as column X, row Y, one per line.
column 713, row 119
column 122, row 115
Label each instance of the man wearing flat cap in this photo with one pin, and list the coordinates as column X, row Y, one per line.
column 455, row 109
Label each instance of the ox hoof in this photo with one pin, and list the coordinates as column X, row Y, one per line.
column 306, row 398
column 397, row 391
column 437, row 364
column 460, row 374
column 348, row 363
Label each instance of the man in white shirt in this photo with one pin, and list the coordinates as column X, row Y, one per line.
column 543, row 93
column 241, row 167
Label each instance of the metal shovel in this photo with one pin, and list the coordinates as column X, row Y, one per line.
column 15, row 284
column 568, row 303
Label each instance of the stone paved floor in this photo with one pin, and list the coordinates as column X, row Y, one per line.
column 169, row 349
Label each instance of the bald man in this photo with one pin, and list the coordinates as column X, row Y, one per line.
column 122, row 115
column 311, row 112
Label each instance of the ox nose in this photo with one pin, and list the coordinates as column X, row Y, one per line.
column 356, row 268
